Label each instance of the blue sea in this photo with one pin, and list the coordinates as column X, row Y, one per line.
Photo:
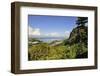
column 50, row 39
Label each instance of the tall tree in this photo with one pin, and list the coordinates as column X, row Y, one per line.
column 81, row 21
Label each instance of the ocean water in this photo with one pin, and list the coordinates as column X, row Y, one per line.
column 48, row 40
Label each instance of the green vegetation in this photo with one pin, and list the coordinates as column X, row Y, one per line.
column 44, row 51
column 70, row 48
column 34, row 39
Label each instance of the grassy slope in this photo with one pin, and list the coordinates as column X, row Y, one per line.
column 44, row 51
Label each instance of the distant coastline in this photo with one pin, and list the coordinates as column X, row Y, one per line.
column 49, row 39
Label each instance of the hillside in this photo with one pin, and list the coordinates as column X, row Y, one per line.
column 78, row 35
column 78, row 38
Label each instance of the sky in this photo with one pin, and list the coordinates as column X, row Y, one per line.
column 50, row 26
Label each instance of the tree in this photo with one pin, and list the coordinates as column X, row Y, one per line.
column 81, row 21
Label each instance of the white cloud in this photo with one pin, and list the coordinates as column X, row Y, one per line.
column 53, row 34
column 34, row 31
column 67, row 33
column 56, row 34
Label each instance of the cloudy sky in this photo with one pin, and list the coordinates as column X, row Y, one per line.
column 50, row 26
